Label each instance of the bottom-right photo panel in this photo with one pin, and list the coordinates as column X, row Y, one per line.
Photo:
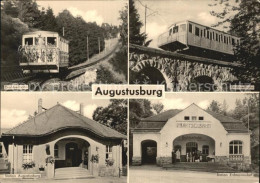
column 194, row 137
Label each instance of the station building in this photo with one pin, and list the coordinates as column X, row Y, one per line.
column 62, row 138
column 217, row 137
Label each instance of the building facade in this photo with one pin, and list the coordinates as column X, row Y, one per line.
column 61, row 138
column 213, row 136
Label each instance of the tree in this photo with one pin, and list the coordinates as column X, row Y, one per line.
column 224, row 108
column 139, row 108
column 245, row 24
column 158, row 107
column 215, row 106
column 124, row 25
column 113, row 116
column 135, row 25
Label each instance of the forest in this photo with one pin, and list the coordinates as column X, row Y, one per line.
column 18, row 17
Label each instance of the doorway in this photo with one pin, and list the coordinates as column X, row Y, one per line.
column 73, row 155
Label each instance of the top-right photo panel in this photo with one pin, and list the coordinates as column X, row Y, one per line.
column 203, row 45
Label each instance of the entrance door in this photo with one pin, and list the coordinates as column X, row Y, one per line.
column 149, row 152
column 73, row 155
column 191, row 147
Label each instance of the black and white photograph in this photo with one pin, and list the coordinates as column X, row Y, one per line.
column 203, row 45
column 69, row 137
column 63, row 45
column 188, row 137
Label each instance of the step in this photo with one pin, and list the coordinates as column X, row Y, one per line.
column 72, row 173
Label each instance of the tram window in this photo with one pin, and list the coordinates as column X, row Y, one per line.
column 182, row 27
column 28, row 41
column 186, row 118
column 190, row 28
column 201, row 118
column 233, row 41
column 216, row 37
column 197, row 31
column 51, row 41
column 175, row 29
column 170, row 32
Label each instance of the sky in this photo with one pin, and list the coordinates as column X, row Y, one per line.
column 163, row 13
column 17, row 106
column 106, row 11
column 203, row 99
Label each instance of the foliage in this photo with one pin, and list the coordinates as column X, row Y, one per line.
column 215, row 106
column 124, row 25
column 94, row 158
column 135, row 25
column 12, row 30
column 158, row 107
column 119, row 61
column 28, row 165
column 105, row 75
column 78, row 32
column 109, row 162
column 139, row 108
column 245, row 24
column 113, row 116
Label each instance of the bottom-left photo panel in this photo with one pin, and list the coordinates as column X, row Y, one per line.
column 62, row 136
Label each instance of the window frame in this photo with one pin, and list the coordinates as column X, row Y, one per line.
column 205, row 149
column 109, row 152
column 56, row 150
column 27, row 153
column 188, row 118
column 236, row 145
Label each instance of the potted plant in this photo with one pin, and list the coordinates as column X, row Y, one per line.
column 50, row 160
column 41, row 168
column 28, row 165
column 94, row 159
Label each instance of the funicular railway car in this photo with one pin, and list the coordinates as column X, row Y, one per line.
column 43, row 52
column 195, row 39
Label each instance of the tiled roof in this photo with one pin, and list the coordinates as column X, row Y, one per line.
column 156, row 123
column 58, row 118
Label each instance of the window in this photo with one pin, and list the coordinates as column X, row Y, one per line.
column 56, row 151
column 51, row 41
column 224, row 39
column 201, row 33
column 1, row 149
column 233, row 41
column 27, row 153
column 109, row 152
column 201, row 118
column 216, row 37
column 175, row 29
column 213, row 35
column 190, row 28
column 197, row 31
column 28, row 41
column 186, row 118
column 182, row 27
column 210, row 36
column 194, row 118
column 205, row 149
column 204, row 32
column 207, row 34
column 235, row 147
column 170, row 32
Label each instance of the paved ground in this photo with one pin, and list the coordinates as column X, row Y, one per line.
column 91, row 180
column 153, row 174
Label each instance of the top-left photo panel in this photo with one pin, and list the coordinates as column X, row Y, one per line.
column 63, row 45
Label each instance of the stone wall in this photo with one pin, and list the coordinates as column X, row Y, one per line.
column 181, row 70
column 163, row 160
column 136, row 161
